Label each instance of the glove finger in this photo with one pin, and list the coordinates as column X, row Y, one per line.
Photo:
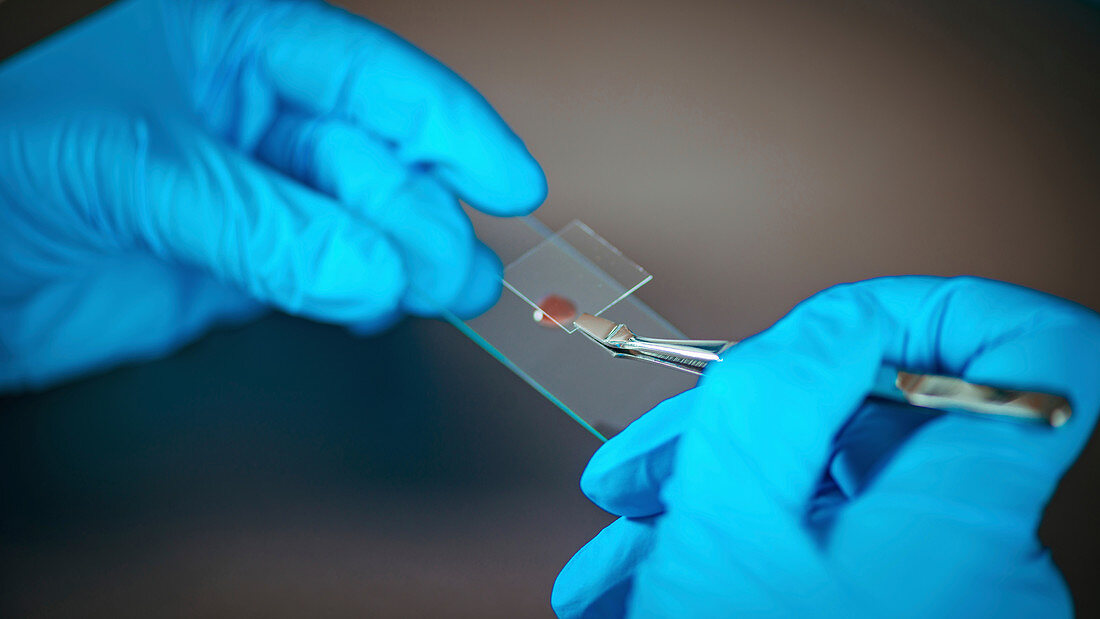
column 984, row 331
column 974, row 519
column 998, row 475
column 190, row 199
column 483, row 284
column 867, row 441
column 1003, row 335
column 329, row 62
column 969, row 492
column 598, row 579
column 435, row 237
column 745, row 467
column 626, row 474
column 748, row 464
column 1031, row 339
column 962, row 492
column 875, row 432
column 768, row 413
column 376, row 324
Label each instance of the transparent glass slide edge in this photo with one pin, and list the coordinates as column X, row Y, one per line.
column 601, row 392
column 575, row 269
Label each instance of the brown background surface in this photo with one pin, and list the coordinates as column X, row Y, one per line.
column 747, row 154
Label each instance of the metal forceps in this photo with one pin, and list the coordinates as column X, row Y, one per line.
column 934, row 391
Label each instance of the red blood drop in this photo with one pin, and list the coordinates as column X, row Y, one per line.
column 555, row 310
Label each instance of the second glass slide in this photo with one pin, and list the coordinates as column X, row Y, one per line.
column 549, row 278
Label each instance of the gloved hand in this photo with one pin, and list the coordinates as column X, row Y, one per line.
column 770, row 490
column 166, row 165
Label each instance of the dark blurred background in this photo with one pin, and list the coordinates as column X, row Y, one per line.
column 746, row 153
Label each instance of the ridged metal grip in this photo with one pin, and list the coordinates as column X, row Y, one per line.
column 954, row 394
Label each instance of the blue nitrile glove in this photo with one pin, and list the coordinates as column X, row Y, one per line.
column 770, row 491
column 166, row 165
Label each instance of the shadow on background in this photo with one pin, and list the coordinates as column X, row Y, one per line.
column 289, row 469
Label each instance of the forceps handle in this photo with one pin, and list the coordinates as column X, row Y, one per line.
column 952, row 394
column 933, row 391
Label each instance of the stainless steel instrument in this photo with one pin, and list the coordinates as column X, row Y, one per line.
column 933, row 391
